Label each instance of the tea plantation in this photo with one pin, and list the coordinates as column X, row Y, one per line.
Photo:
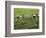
column 26, row 18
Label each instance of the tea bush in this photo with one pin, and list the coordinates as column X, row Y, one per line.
column 25, row 22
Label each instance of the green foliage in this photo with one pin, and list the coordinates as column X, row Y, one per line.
column 27, row 21
column 25, row 11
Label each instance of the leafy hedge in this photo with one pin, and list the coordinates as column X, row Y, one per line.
column 25, row 22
